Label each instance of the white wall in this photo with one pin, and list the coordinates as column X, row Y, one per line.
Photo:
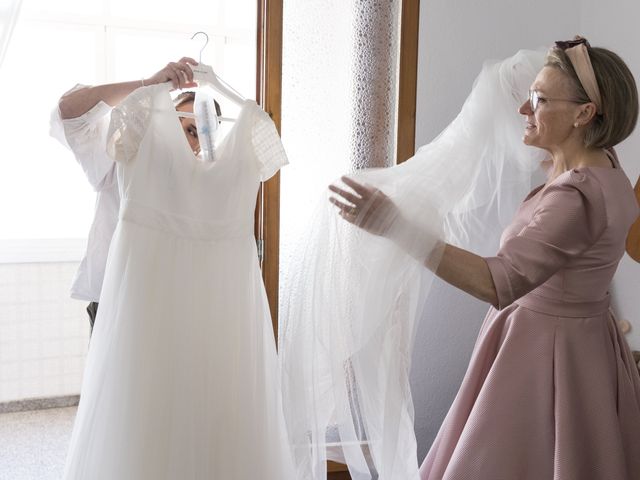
column 44, row 334
column 456, row 36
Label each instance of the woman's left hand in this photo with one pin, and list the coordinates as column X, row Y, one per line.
column 178, row 73
column 367, row 208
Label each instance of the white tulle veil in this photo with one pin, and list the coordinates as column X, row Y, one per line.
column 353, row 299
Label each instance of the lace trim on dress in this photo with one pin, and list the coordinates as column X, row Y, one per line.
column 129, row 122
column 267, row 145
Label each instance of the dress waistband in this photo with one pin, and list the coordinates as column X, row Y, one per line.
column 182, row 226
column 560, row 308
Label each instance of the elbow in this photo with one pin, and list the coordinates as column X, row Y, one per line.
column 493, row 300
column 488, row 289
column 490, row 277
column 490, row 295
column 66, row 108
column 486, row 292
column 71, row 104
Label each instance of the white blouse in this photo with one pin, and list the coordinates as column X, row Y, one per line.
column 86, row 137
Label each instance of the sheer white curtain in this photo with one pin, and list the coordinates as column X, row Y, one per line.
column 339, row 94
column 9, row 11
column 347, row 326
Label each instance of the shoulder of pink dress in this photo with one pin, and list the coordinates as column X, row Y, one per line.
column 585, row 181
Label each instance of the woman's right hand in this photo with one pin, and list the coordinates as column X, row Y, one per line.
column 369, row 208
column 365, row 207
column 178, row 73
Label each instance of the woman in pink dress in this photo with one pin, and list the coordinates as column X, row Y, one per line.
column 551, row 391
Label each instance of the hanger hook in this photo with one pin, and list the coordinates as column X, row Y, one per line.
column 205, row 43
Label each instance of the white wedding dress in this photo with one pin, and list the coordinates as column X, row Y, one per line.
column 181, row 378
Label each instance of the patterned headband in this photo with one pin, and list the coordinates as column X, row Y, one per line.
column 578, row 54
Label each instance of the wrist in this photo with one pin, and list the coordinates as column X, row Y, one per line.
column 418, row 241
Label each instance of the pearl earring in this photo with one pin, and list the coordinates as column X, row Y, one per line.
column 576, row 125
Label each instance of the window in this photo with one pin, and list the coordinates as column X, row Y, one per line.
column 46, row 204
column 43, row 194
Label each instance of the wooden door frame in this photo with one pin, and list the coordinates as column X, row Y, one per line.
column 408, row 80
column 269, row 96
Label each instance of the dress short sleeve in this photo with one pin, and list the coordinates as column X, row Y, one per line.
column 128, row 125
column 568, row 219
column 267, row 147
column 86, row 137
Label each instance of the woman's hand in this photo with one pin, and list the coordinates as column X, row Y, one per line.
column 370, row 209
column 178, row 73
column 79, row 101
column 367, row 208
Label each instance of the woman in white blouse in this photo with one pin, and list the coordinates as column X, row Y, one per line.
column 80, row 122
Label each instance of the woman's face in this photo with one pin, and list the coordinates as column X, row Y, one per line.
column 551, row 125
column 189, row 127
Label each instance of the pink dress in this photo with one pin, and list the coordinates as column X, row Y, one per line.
column 552, row 391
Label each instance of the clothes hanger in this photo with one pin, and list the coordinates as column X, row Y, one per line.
column 207, row 120
column 204, row 75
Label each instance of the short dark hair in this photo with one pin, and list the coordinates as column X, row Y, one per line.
column 190, row 97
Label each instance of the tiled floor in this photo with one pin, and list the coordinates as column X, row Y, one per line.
column 33, row 444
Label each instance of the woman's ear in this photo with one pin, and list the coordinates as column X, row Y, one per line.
column 585, row 114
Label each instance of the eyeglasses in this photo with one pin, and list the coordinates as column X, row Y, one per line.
column 535, row 99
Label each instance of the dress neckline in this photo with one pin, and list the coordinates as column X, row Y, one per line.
column 533, row 193
column 223, row 143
